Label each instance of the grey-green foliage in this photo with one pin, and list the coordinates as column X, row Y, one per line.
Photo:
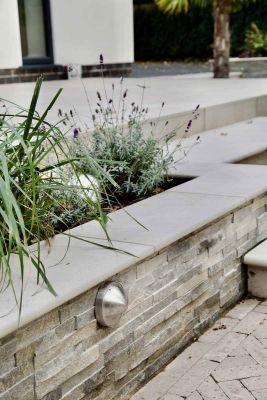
column 138, row 164
column 256, row 40
column 135, row 163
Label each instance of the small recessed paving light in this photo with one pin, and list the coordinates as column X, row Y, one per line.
column 110, row 304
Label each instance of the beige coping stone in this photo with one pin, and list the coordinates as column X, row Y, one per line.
column 257, row 256
column 232, row 180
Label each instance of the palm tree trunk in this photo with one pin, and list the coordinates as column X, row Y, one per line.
column 221, row 46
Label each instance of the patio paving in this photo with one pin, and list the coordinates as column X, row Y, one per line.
column 181, row 93
column 229, row 361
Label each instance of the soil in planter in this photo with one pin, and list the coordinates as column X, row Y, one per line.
column 128, row 200
column 113, row 204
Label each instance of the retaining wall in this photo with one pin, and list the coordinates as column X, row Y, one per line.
column 173, row 297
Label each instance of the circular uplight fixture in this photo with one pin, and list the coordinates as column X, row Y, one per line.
column 110, row 304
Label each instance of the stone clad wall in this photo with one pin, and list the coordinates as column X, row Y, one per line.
column 173, row 297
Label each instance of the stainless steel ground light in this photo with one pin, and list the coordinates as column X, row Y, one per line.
column 111, row 302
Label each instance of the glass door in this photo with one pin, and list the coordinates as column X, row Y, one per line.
column 35, row 30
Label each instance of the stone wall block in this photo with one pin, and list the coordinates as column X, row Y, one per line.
column 242, row 213
column 246, row 246
column 53, row 374
column 177, row 249
column 22, row 390
column 64, row 347
column 245, row 227
column 259, row 203
column 15, row 375
column 77, row 306
column 149, row 266
column 37, row 329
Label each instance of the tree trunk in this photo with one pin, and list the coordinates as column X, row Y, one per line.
column 221, row 46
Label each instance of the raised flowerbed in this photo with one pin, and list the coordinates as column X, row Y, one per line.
column 180, row 264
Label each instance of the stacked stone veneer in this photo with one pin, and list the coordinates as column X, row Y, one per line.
column 173, row 297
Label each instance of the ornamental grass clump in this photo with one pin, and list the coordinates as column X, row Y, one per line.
column 40, row 189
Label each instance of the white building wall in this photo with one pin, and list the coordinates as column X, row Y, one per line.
column 10, row 45
column 83, row 29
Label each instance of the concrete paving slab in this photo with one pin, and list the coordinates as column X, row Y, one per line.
column 179, row 94
column 227, row 144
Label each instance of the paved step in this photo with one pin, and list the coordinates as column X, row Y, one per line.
column 256, row 260
column 227, row 144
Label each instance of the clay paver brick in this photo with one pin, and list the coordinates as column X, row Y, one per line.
column 256, row 383
column 218, row 331
column 255, row 349
column 249, row 323
column 195, row 396
column 242, row 309
column 236, row 391
column 193, row 378
column 227, row 374
column 225, row 346
column 261, row 309
column 228, row 362
column 156, row 388
column 260, row 394
column 238, row 361
column 210, row 390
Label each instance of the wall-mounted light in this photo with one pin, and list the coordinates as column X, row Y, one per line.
column 111, row 302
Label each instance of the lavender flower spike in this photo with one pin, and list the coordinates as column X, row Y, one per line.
column 75, row 133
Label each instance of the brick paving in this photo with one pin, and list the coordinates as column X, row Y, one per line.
column 229, row 361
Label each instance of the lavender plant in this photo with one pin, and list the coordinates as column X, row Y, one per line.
column 137, row 162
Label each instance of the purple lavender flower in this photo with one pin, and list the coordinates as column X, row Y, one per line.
column 75, row 133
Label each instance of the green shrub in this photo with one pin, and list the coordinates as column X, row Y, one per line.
column 256, row 40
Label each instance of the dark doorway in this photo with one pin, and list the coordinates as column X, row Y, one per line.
column 36, row 33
